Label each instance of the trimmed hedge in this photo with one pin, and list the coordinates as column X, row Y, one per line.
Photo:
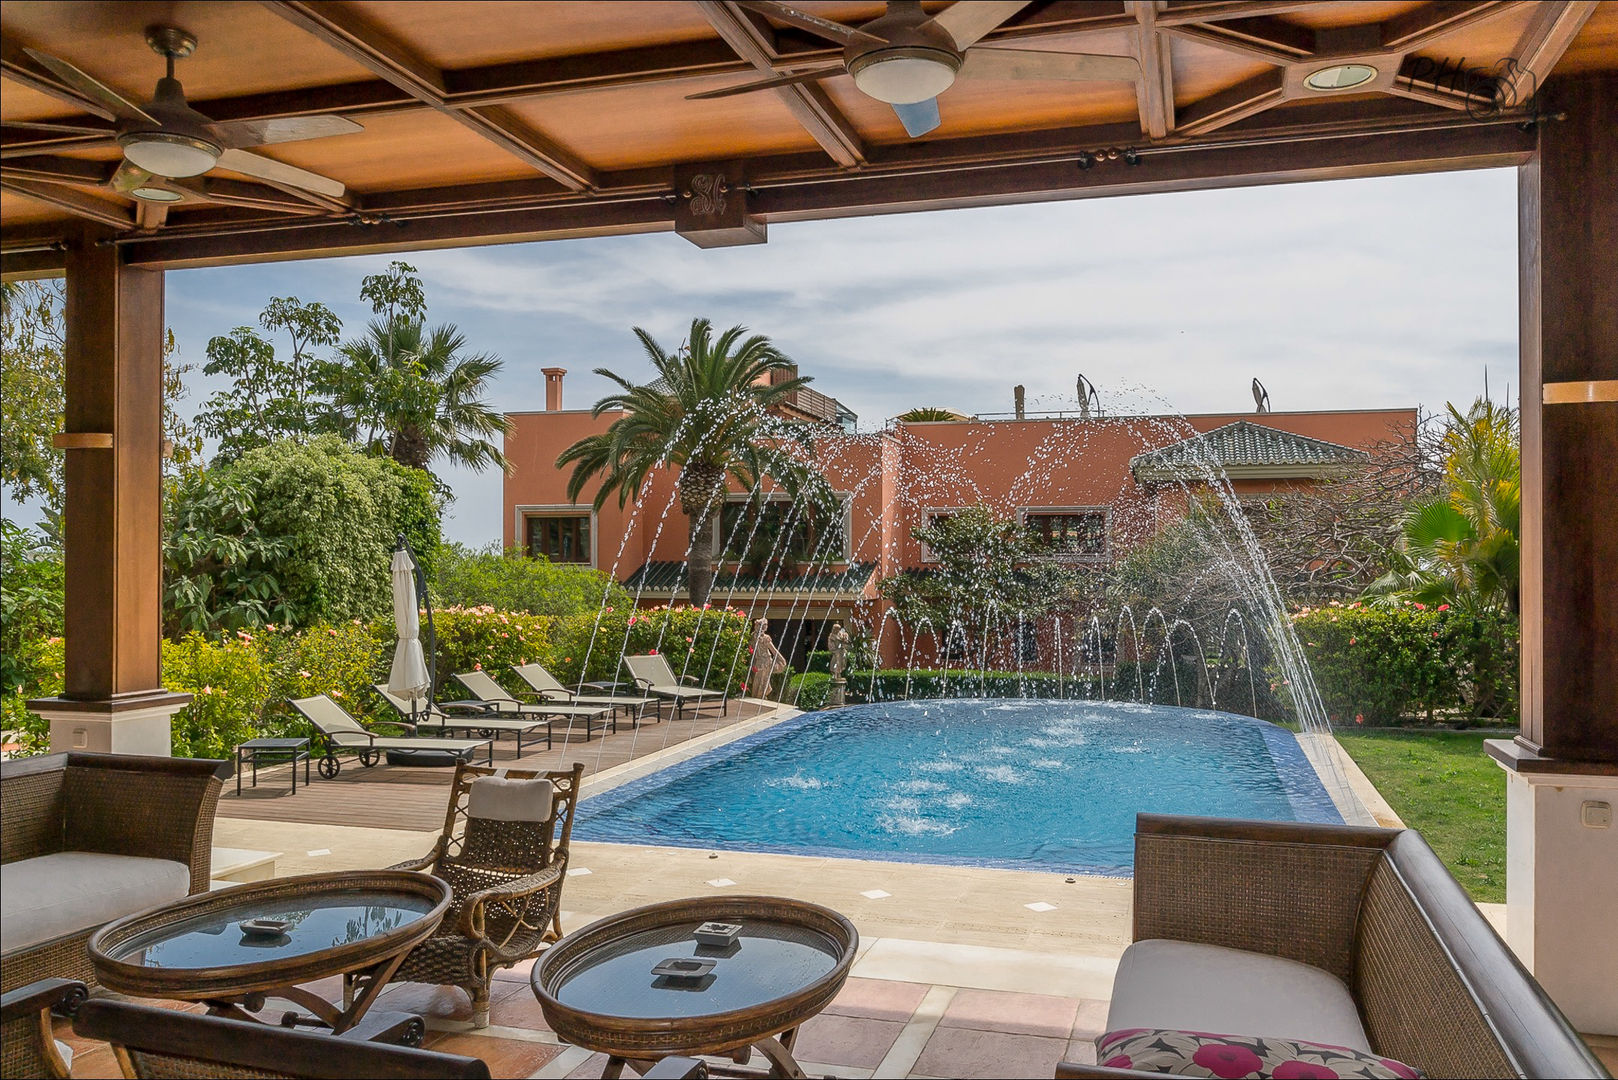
column 1409, row 663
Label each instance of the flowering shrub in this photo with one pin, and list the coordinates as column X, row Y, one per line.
column 342, row 660
column 229, row 688
column 708, row 644
column 484, row 639
column 1409, row 662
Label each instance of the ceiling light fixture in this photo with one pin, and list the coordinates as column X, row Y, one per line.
column 156, row 194
column 170, row 153
column 904, row 76
column 1339, row 77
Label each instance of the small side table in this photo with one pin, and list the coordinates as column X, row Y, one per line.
column 273, row 751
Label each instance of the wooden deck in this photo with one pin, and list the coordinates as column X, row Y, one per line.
column 413, row 797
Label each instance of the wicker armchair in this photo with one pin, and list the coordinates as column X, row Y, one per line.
column 112, row 804
column 164, row 1042
column 507, row 878
column 28, row 1045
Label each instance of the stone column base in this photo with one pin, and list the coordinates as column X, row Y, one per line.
column 1562, row 882
column 127, row 724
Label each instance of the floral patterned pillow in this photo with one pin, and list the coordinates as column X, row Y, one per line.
column 1229, row 1057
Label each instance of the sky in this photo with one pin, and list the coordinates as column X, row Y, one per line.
column 1376, row 293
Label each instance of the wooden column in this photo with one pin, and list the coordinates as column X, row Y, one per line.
column 113, row 698
column 1562, row 770
column 1568, row 237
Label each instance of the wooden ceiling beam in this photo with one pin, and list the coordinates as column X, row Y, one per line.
column 837, row 193
column 1154, row 93
column 1554, row 25
column 60, row 170
column 809, row 105
column 1237, row 103
column 1420, row 27
column 1181, row 14
column 73, row 202
column 228, row 192
column 395, row 63
column 1244, row 45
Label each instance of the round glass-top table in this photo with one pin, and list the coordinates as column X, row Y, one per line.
column 639, row 986
column 358, row 924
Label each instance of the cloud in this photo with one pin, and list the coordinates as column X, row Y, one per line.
column 1349, row 294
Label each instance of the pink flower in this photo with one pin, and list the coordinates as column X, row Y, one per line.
column 1359, row 718
column 331, row 632
column 688, row 639
column 651, row 652
column 632, row 620
column 1443, row 607
column 1353, row 641
column 477, row 667
column 1435, row 633
column 304, row 675
column 1227, row 1061
column 1421, row 607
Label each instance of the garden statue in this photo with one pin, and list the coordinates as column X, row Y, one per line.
column 837, row 643
column 767, row 660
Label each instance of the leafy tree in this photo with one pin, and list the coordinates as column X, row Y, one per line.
column 983, row 560
column 509, row 581
column 270, row 396
column 709, row 414
column 31, row 586
column 1462, row 546
column 31, row 389
column 416, row 395
column 411, row 393
column 294, row 534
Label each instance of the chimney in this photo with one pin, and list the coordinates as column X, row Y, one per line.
column 553, row 388
column 1017, row 393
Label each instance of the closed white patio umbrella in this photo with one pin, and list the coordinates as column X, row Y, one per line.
column 408, row 677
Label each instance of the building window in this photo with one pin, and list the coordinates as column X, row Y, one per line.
column 750, row 533
column 1069, row 532
column 932, row 519
column 561, row 538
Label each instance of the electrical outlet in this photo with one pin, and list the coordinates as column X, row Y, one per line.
column 1596, row 815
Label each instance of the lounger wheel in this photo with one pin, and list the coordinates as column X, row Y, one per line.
column 330, row 767
column 414, row 1031
column 369, row 758
column 487, row 733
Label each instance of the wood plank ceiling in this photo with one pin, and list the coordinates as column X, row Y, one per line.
column 491, row 121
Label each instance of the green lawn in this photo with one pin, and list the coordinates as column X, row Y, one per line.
column 1444, row 786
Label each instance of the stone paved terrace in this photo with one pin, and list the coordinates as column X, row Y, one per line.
column 957, row 974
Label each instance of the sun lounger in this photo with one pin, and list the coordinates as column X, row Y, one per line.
column 482, row 717
column 654, row 676
column 481, row 685
column 336, row 732
column 547, row 686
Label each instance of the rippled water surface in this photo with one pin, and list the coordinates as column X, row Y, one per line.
column 1051, row 785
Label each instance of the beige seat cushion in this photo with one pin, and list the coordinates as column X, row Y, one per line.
column 1207, row 988
column 71, row 891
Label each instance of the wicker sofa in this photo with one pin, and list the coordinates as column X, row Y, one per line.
column 87, row 838
column 1257, row 929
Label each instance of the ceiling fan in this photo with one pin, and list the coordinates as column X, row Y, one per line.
column 167, row 140
column 907, row 58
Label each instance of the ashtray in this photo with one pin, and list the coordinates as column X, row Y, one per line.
column 718, row 933
column 683, row 967
column 264, row 928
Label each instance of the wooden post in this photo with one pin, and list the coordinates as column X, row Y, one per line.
column 113, row 698
column 1562, row 770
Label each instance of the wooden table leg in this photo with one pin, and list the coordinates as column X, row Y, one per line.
column 781, row 1060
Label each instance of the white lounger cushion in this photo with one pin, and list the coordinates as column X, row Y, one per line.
column 70, row 891
column 498, row 799
column 1183, row 986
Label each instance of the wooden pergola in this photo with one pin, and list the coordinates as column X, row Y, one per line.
column 505, row 122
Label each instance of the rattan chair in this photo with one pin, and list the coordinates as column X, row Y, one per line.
column 152, row 1042
column 506, row 872
column 28, row 1045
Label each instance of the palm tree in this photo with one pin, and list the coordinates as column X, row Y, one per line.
column 708, row 413
column 416, row 395
column 926, row 414
column 1461, row 547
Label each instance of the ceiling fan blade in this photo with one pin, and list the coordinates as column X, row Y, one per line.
column 769, row 84
column 249, row 164
column 64, row 127
column 843, row 35
column 919, row 118
column 968, row 20
column 129, row 177
column 91, row 87
column 242, row 133
column 984, row 62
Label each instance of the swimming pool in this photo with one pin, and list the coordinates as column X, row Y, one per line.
column 1033, row 785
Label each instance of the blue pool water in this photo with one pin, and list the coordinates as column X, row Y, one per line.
column 1034, row 785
